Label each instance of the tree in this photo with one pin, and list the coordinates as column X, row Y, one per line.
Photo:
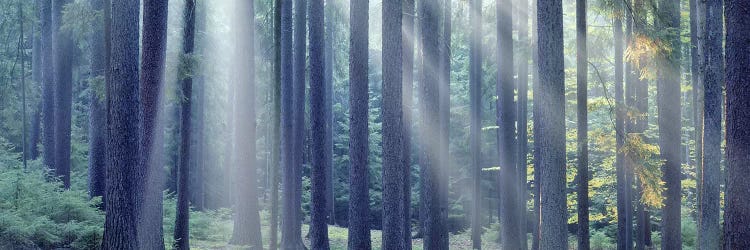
column 182, row 217
column 624, row 222
column 712, row 86
column 550, row 136
column 318, row 120
column 393, row 174
column 328, row 109
column 583, row 128
column 668, row 106
column 359, row 202
column 697, row 15
column 153, row 56
column 246, row 218
column 407, row 52
column 122, row 126
column 522, row 115
column 48, row 85
column 506, row 117
column 97, row 115
column 535, row 233
column 444, row 110
column 475, row 96
column 275, row 129
column 299, row 67
column 22, row 57
column 737, row 210
column 643, row 223
column 62, row 53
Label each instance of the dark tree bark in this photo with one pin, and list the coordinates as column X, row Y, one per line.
column 407, row 53
column 434, row 227
column 550, row 136
column 48, row 85
column 182, row 218
column 22, row 58
column 709, row 236
column 668, row 103
column 393, row 174
column 583, row 128
column 475, row 100
column 624, row 236
column 36, row 77
column 122, row 124
column 737, row 210
column 198, row 151
column 318, row 121
column 506, row 117
column 359, row 202
column 246, row 218
column 535, row 233
column 291, row 235
column 328, row 109
column 97, row 115
column 697, row 14
column 522, row 116
column 36, row 127
column 62, row 52
column 299, row 67
column 276, row 128
column 153, row 57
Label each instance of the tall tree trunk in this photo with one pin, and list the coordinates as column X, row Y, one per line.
column 522, row 116
column 583, row 128
column 506, row 117
column 535, row 233
column 709, row 237
column 393, row 174
column 737, row 210
column 434, row 227
column 628, row 125
column 328, row 109
column 182, row 218
column 624, row 239
column 97, row 115
column 122, row 124
column 153, row 57
column 444, row 103
column 475, row 100
column 246, row 218
column 408, row 119
column 697, row 9
column 643, row 226
column 276, row 127
column 48, row 85
column 198, row 151
column 36, row 77
column 299, row 67
column 62, row 52
column 359, row 202
column 22, row 57
column 550, row 142
column 318, row 121
column 668, row 103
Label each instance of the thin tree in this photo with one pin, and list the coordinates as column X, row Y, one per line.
column 154, row 45
column 48, row 85
column 444, row 111
column 62, row 53
column 393, row 174
column 122, row 125
column 475, row 100
column 97, row 112
column 300, row 68
column 550, row 136
column 709, row 236
column 643, row 225
column 737, row 210
column 36, row 77
column 506, row 117
column 668, row 106
column 275, row 128
column 535, row 233
column 359, row 202
column 624, row 238
column 328, row 109
column 407, row 53
column 697, row 15
column 522, row 116
column 22, row 58
column 182, row 217
column 320, row 162
column 583, row 128
column 246, row 218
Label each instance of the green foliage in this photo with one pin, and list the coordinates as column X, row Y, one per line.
column 600, row 241
column 35, row 212
column 647, row 168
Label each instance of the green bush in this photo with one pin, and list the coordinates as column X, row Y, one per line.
column 600, row 241
column 37, row 213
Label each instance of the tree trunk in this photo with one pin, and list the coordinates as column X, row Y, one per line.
column 122, row 124
column 737, row 210
column 393, row 174
column 697, row 9
column 62, row 50
column 407, row 53
column 583, row 128
column 475, row 100
column 624, row 237
column 359, row 202
column 97, row 115
column 275, row 128
column 643, row 230
column 153, row 56
column 550, row 142
column 522, row 116
column 668, row 103
column 299, row 67
column 535, row 233
column 182, row 218
column 709, row 236
column 444, row 162
column 48, row 85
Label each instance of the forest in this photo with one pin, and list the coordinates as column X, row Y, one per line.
column 375, row 124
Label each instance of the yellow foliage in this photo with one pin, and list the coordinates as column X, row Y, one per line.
column 647, row 168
